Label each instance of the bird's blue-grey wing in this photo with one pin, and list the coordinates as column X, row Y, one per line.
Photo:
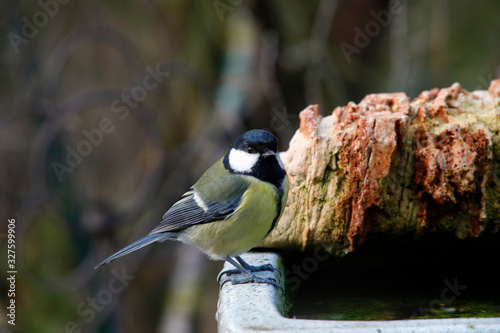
column 192, row 209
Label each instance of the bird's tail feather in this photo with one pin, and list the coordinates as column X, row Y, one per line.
column 136, row 246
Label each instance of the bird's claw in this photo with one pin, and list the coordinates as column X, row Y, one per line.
column 253, row 269
column 240, row 278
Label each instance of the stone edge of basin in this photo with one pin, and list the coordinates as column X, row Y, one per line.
column 261, row 308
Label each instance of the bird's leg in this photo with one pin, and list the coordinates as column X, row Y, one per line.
column 246, row 269
column 251, row 268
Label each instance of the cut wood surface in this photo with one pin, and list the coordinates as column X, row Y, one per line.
column 389, row 166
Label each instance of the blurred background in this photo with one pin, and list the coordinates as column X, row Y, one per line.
column 110, row 110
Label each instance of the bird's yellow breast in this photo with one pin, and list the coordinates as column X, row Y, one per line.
column 243, row 229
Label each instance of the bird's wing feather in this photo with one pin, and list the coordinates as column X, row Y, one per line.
column 196, row 208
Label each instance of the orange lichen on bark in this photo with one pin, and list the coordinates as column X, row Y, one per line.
column 494, row 89
column 309, row 119
column 450, row 165
column 368, row 151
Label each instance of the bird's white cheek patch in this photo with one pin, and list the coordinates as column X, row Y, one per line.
column 241, row 161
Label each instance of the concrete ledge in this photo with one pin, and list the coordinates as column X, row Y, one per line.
column 261, row 308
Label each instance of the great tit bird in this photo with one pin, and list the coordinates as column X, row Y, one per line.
column 232, row 207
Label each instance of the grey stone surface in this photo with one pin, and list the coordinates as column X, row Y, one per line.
column 261, row 308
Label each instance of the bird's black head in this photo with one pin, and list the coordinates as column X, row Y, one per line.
column 256, row 154
column 257, row 141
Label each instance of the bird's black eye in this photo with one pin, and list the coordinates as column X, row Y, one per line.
column 251, row 150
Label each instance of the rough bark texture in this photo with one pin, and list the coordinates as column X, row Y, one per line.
column 391, row 166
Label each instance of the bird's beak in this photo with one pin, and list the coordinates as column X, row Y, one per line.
column 269, row 152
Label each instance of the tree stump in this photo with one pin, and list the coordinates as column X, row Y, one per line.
column 389, row 166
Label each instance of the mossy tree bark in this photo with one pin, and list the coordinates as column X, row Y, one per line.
column 391, row 166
